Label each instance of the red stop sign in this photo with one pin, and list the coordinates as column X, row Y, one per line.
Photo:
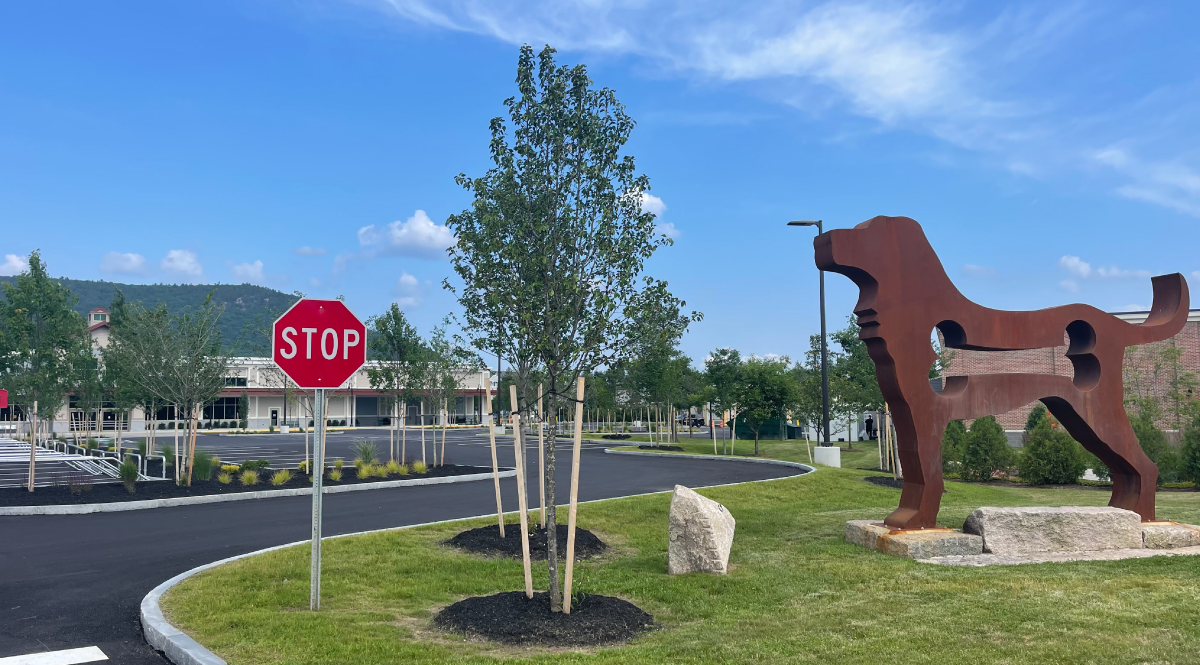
column 319, row 343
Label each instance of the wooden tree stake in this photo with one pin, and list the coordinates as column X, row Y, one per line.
column 492, row 440
column 574, row 496
column 522, row 503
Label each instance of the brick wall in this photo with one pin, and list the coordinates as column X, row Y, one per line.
column 1146, row 373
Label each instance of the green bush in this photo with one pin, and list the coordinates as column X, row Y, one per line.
column 129, row 475
column 364, row 452
column 1051, row 456
column 335, row 475
column 986, row 450
column 953, row 442
column 419, row 467
column 1036, row 416
column 281, row 477
column 224, row 478
column 1154, row 444
column 1189, row 462
column 337, row 463
column 255, row 465
column 202, row 465
column 249, row 477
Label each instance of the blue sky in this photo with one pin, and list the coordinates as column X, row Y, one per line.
column 1049, row 149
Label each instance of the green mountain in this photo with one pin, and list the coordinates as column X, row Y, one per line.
column 247, row 307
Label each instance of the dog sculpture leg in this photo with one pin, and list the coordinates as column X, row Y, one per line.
column 919, row 444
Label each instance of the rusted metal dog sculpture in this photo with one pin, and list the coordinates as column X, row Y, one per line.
column 904, row 294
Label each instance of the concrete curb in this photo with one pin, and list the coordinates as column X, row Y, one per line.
column 183, row 650
column 755, row 460
column 82, row 509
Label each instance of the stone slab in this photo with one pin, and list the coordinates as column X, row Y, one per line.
column 921, row 544
column 1170, row 536
column 1057, row 557
column 1037, row 529
column 828, row 456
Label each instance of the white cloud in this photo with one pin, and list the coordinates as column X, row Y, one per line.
column 668, row 230
column 310, row 251
column 1114, row 271
column 972, row 270
column 407, row 291
column 653, row 204
column 1069, row 285
column 1076, row 266
column 1170, row 183
column 417, row 236
column 182, row 263
column 128, row 264
column 247, row 272
column 13, row 265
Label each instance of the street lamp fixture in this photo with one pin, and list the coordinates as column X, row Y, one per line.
column 824, row 346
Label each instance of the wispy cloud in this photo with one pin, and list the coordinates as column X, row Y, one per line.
column 247, row 272
column 972, row 270
column 1171, row 184
column 117, row 263
column 14, row 264
column 416, row 236
column 407, row 291
column 310, row 251
column 1076, row 266
column 182, row 263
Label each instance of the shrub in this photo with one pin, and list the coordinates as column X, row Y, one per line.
column 985, row 451
column 93, row 444
column 162, row 425
column 202, row 465
column 141, row 447
column 281, row 477
column 393, row 468
column 1036, row 415
column 1154, row 444
column 1051, row 456
column 129, row 475
column 230, row 468
column 224, row 477
column 335, row 475
column 419, row 467
column 337, row 463
column 168, row 453
column 256, row 464
column 271, row 429
column 365, row 451
column 302, row 467
column 953, row 440
column 249, row 477
column 1189, row 453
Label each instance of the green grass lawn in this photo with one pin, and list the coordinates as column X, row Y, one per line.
column 864, row 455
column 796, row 591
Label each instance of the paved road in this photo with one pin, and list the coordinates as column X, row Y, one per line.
column 70, row 581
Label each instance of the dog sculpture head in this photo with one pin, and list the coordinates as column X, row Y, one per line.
column 880, row 253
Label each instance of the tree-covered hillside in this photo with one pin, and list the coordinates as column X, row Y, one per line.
column 245, row 304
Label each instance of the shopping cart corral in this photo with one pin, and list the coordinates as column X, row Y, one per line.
column 60, row 463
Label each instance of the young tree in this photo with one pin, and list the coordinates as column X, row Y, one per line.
column 1051, row 456
column 396, row 348
column 178, row 359
column 41, row 337
column 852, row 378
column 550, row 254
column 766, row 392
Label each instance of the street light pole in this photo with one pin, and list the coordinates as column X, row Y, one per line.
column 824, row 344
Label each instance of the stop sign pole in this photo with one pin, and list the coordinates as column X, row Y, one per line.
column 319, row 344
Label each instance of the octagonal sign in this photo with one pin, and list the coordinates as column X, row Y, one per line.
column 319, row 343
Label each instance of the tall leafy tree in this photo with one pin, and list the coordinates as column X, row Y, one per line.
column 396, row 349
column 852, row 381
column 41, row 333
column 723, row 369
column 551, row 252
column 765, row 392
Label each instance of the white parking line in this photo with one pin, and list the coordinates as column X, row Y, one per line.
column 67, row 657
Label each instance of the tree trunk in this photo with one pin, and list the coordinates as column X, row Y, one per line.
column 32, row 444
column 551, row 513
column 756, row 443
column 191, row 461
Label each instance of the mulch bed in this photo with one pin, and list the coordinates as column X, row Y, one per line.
column 486, row 541
column 511, row 618
column 619, row 437
column 167, row 489
column 674, row 448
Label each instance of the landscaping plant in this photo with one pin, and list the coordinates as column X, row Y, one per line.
column 364, row 452
column 249, row 477
column 281, row 477
column 335, row 475
column 129, row 475
column 954, row 441
column 986, row 451
column 1051, row 456
column 419, row 467
column 224, row 478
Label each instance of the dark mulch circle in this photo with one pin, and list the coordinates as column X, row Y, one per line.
column 486, row 541
column 619, row 437
column 69, row 491
column 888, row 481
column 511, row 618
column 675, row 448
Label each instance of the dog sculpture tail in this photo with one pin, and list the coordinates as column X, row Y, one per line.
column 1167, row 314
